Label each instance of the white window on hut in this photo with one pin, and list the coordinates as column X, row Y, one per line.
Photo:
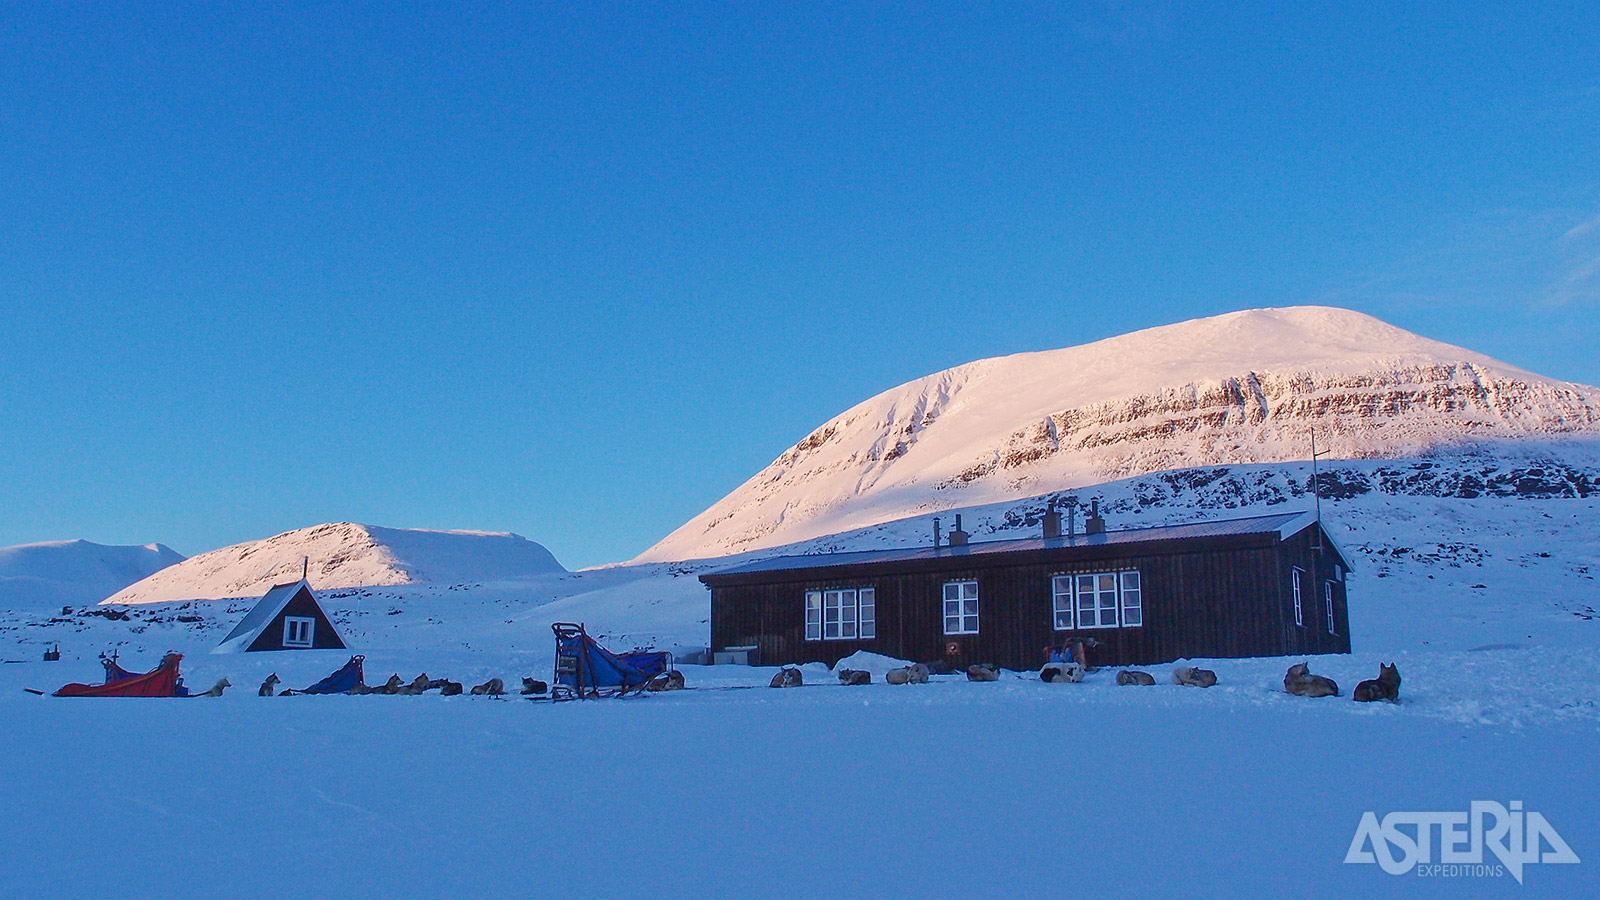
column 1327, row 599
column 961, row 607
column 813, row 615
column 839, row 614
column 867, row 598
column 1294, row 584
column 1061, row 598
column 1132, row 600
column 298, row 631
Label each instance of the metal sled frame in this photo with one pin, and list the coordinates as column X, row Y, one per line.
column 574, row 677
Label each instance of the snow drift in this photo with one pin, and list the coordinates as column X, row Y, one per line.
column 74, row 573
column 344, row 555
column 1245, row 387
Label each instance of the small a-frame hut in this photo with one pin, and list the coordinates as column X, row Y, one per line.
column 288, row 617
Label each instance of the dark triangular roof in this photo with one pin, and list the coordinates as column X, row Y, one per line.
column 258, row 618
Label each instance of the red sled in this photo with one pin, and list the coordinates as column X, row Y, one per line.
column 162, row 681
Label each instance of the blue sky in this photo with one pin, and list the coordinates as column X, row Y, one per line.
column 578, row 270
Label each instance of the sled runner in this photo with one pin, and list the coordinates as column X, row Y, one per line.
column 585, row 669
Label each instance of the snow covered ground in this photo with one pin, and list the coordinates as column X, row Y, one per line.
column 941, row 790
column 1487, row 604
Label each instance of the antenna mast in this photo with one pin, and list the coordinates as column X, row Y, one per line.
column 1316, row 486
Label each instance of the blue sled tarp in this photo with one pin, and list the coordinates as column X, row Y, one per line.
column 341, row 681
column 584, row 666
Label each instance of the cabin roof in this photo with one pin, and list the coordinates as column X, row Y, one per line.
column 260, row 616
column 1284, row 525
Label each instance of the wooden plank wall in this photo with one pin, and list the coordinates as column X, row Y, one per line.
column 1220, row 599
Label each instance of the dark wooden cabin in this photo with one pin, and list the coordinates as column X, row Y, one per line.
column 1261, row 586
column 287, row 617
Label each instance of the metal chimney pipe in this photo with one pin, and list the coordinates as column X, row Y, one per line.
column 958, row 537
column 936, row 535
column 1052, row 520
column 1094, row 524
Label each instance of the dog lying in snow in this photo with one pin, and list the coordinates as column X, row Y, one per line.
column 269, row 686
column 855, row 676
column 418, row 685
column 1193, row 677
column 494, row 687
column 534, row 686
column 916, row 673
column 788, row 676
column 1300, row 682
column 1134, row 676
column 983, row 672
column 670, row 681
column 1385, row 687
column 392, row 686
column 1071, row 672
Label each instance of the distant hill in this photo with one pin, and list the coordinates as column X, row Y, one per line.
column 75, row 573
column 343, row 555
column 1241, row 388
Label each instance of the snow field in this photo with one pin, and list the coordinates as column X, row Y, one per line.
column 946, row 789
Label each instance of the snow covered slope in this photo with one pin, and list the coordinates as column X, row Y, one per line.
column 1244, row 387
column 343, row 555
column 73, row 573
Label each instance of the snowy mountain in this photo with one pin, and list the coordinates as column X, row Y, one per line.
column 345, row 555
column 1245, row 387
column 73, row 573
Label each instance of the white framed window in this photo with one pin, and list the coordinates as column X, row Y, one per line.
column 841, row 614
column 1294, row 584
column 1132, row 600
column 1327, row 601
column 961, row 607
column 299, row 631
column 813, row 615
column 1097, row 600
column 1062, row 594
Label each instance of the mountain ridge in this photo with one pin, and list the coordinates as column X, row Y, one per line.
column 75, row 572
column 344, row 555
column 1241, row 388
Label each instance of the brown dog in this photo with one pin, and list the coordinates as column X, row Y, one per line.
column 1385, row 687
column 983, row 672
column 1300, row 682
column 1133, row 676
column 494, row 687
column 788, row 676
column 855, row 676
column 670, row 681
column 1194, row 677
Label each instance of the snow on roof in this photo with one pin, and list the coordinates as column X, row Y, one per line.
column 260, row 616
column 1284, row 525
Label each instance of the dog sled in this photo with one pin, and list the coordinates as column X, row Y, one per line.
column 162, row 681
column 584, row 669
column 342, row 681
